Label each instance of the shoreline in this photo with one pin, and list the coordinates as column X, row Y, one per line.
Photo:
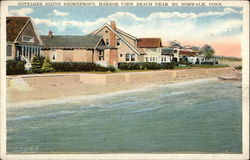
column 43, row 89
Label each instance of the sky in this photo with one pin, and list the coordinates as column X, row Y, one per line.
column 220, row 27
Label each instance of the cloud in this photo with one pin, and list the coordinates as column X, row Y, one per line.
column 167, row 25
column 21, row 12
column 59, row 13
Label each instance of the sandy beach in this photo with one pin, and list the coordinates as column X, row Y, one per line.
column 46, row 88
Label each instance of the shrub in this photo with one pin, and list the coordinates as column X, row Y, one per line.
column 111, row 68
column 36, row 65
column 79, row 67
column 15, row 67
column 168, row 65
column 47, row 66
column 238, row 67
column 144, row 65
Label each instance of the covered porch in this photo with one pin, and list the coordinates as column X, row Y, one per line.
column 27, row 51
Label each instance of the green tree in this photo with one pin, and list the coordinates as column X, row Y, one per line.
column 207, row 51
column 47, row 66
column 36, row 65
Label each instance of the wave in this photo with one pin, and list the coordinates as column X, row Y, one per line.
column 145, row 110
column 46, row 115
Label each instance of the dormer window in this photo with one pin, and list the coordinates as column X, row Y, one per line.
column 28, row 39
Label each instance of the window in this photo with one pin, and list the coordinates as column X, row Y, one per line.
column 9, row 50
column 118, row 42
column 165, row 59
column 53, row 57
column 28, row 39
column 127, row 57
column 107, row 31
column 146, row 59
column 132, row 57
column 107, row 42
column 162, row 59
column 101, row 55
column 151, row 59
column 120, row 55
column 175, row 51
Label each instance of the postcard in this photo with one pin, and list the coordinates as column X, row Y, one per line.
column 124, row 80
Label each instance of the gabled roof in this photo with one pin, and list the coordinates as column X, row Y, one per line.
column 187, row 53
column 149, row 42
column 118, row 35
column 125, row 33
column 72, row 41
column 14, row 25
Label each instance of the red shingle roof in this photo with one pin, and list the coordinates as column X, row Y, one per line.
column 149, row 42
column 187, row 53
column 14, row 26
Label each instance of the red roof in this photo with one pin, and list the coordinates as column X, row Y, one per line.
column 187, row 53
column 14, row 26
column 149, row 42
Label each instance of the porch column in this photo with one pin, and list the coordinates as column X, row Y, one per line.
column 22, row 50
column 17, row 52
column 28, row 53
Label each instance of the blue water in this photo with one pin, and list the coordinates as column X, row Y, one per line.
column 201, row 116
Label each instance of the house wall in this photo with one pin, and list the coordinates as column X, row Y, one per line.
column 123, row 49
column 76, row 55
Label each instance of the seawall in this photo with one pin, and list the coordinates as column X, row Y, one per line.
column 51, row 86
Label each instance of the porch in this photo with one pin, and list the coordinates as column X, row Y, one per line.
column 27, row 51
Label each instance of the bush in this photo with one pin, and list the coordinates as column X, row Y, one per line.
column 79, row 67
column 238, row 67
column 15, row 67
column 47, row 66
column 144, row 65
column 36, row 65
column 111, row 68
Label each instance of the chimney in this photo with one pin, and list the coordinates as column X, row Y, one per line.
column 50, row 34
column 113, row 55
column 112, row 34
column 113, row 25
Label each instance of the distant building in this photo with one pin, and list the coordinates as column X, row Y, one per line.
column 152, row 47
column 23, row 39
column 170, row 55
column 191, row 56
